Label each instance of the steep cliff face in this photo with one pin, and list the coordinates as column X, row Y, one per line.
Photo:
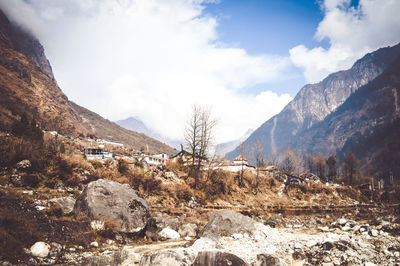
column 27, row 86
column 368, row 123
column 315, row 101
column 17, row 39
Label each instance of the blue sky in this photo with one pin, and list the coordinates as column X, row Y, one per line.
column 154, row 59
column 273, row 27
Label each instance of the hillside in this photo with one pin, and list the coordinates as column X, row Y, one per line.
column 27, row 86
column 315, row 101
column 368, row 123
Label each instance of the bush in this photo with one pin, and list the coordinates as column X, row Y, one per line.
column 123, row 166
column 31, row 180
column 96, row 164
column 183, row 192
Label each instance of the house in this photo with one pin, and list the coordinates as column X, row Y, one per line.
column 238, row 164
column 97, row 154
column 156, row 159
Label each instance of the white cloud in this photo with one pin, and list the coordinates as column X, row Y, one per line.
column 154, row 59
column 352, row 32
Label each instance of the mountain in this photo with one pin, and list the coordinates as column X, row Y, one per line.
column 135, row 124
column 27, row 85
column 367, row 123
column 223, row 148
column 315, row 101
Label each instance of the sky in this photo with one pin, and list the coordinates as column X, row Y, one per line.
column 154, row 59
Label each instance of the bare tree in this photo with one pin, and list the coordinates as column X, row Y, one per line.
column 331, row 162
column 320, row 166
column 199, row 133
column 207, row 133
column 257, row 151
column 193, row 132
column 243, row 152
column 350, row 166
column 291, row 163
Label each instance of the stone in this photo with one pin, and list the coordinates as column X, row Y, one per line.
column 24, row 164
column 94, row 244
column 128, row 253
column 97, row 225
column 298, row 245
column 324, row 228
column 275, row 220
column 56, row 249
column 188, row 230
column 342, row 221
column 66, row 203
column 226, row 223
column 16, row 180
column 162, row 258
column 40, row 249
column 268, row 260
column 374, row 232
column 109, row 200
column 168, row 233
column 218, row 258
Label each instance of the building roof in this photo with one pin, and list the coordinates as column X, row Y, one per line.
column 240, row 158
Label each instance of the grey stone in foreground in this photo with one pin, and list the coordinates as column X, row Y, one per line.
column 111, row 201
column 218, row 258
column 163, row 258
column 40, row 249
column 226, row 223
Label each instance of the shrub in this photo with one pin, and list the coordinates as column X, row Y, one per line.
column 31, row 180
column 183, row 192
column 96, row 164
column 123, row 166
column 151, row 185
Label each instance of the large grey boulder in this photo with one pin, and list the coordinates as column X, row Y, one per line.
column 40, row 249
column 162, row 258
column 218, row 258
column 227, row 223
column 108, row 200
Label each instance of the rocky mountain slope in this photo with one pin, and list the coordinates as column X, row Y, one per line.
column 27, row 85
column 315, row 101
column 368, row 123
column 223, row 148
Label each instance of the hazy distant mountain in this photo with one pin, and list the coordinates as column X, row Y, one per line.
column 135, row 124
column 223, row 148
column 315, row 101
column 27, row 85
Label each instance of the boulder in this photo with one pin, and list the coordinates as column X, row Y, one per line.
column 168, row 233
column 66, row 203
column 108, row 200
column 227, row 223
column 268, row 260
column 276, row 221
column 187, row 230
column 218, row 258
column 162, row 258
column 40, row 249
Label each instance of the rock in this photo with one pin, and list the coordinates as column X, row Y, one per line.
column 128, row 254
column 24, row 164
column 188, row 230
column 226, row 223
column 94, row 244
column 16, row 180
column 155, row 225
column 162, row 258
column 374, row 232
column 218, row 258
column 268, row 260
column 342, row 221
column 66, row 203
column 109, row 200
column 298, row 245
column 168, row 233
column 56, row 249
column 324, row 228
column 31, row 261
column 97, row 225
column 40, row 249
column 276, row 220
